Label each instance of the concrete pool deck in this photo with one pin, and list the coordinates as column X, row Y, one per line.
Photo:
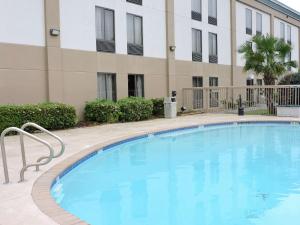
column 18, row 200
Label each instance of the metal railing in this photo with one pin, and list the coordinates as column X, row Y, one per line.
column 41, row 161
column 26, row 125
column 255, row 99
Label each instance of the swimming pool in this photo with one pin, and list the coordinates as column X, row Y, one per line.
column 230, row 174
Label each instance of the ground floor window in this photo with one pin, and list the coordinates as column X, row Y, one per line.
column 136, row 85
column 106, row 86
column 214, row 93
column 197, row 93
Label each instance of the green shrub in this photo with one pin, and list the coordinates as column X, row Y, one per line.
column 290, row 79
column 135, row 109
column 158, row 107
column 51, row 116
column 102, row 111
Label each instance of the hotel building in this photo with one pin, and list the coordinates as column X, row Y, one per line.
column 74, row 51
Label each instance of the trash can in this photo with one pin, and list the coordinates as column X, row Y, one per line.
column 170, row 107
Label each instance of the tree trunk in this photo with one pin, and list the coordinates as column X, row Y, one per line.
column 269, row 94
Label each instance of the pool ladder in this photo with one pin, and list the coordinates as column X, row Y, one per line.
column 41, row 161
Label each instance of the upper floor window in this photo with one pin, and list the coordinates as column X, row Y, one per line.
column 282, row 31
column 249, row 21
column 289, row 34
column 134, row 35
column 258, row 23
column 197, row 45
column 135, row 85
column 212, row 12
column 213, row 47
column 197, row 10
column 138, row 2
column 106, row 83
column 105, row 30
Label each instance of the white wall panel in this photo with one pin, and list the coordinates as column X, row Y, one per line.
column 78, row 24
column 184, row 25
column 22, row 22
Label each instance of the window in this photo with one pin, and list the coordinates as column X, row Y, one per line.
column 282, row 31
column 106, row 83
column 136, row 85
column 197, row 81
column 196, row 10
column 289, row 34
column 138, row 2
column 248, row 21
column 134, row 35
column 212, row 12
column 197, row 45
column 105, row 30
column 258, row 24
column 213, row 81
column 213, row 93
column 197, row 93
column 259, row 82
column 213, row 48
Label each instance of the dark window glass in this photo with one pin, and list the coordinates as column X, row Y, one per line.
column 135, row 85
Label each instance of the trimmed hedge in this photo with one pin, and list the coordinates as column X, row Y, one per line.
column 158, row 107
column 102, row 111
column 51, row 116
column 135, row 109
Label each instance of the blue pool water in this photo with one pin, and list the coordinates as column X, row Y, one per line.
column 222, row 175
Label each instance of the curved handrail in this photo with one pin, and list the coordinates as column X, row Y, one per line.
column 25, row 166
column 62, row 150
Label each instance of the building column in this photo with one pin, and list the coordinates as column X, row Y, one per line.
column 233, row 40
column 53, row 51
column 170, row 27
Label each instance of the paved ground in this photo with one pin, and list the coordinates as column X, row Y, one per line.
column 17, row 206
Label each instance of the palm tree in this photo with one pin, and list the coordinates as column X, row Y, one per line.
column 267, row 56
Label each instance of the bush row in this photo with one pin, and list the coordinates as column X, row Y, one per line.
column 51, row 116
column 125, row 110
column 54, row 116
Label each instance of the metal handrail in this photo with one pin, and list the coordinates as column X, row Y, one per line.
column 62, row 150
column 25, row 166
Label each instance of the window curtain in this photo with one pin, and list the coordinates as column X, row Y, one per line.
column 99, row 23
column 249, row 18
column 109, row 87
column 138, row 30
column 289, row 33
column 258, row 22
column 212, row 8
column 101, row 86
column 109, row 25
column 139, row 86
column 196, row 6
column 213, row 44
column 196, row 41
column 282, row 31
column 130, row 29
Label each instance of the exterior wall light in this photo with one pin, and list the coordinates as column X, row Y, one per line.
column 54, row 32
column 172, row 48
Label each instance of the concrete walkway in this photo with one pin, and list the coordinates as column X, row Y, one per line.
column 17, row 206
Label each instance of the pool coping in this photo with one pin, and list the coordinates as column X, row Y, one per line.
column 41, row 188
